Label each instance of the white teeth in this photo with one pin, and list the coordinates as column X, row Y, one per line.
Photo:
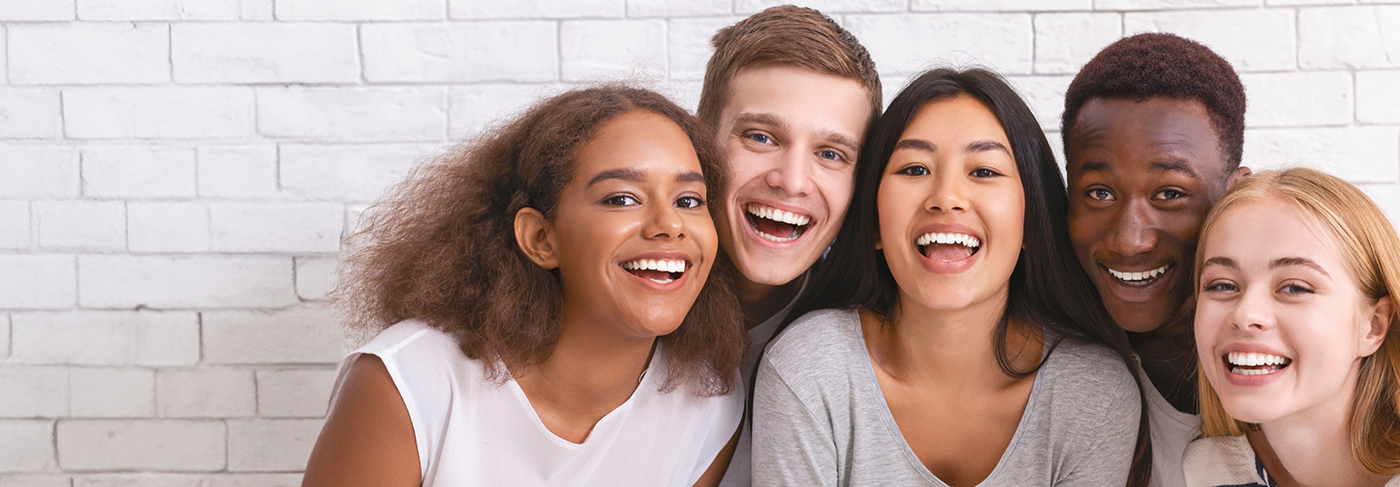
column 1252, row 359
column 655, row 265
column 948, row 238
column 1134, row 277
column 778, row 216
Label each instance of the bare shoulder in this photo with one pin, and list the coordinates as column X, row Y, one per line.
column 368, row 438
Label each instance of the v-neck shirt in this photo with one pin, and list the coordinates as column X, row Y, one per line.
column 820, row 417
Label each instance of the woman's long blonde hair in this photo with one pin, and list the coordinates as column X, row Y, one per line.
column 1370, row 248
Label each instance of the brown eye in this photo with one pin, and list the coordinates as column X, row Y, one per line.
column 1100, row 194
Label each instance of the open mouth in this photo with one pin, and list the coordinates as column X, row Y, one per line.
column 1252, row 363
column 776, row 225
column 660, row 271
column 1138, row 278
column 948, row 247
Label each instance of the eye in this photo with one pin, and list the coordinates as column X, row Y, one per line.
column 1100, row 194
column 1168, row 194
column 1295, row 288
column 690, row 202
column 983, row 172
column 1221, row 286
column 621, row 200
column 915, row 171
column 759, row 137
column 829, row 155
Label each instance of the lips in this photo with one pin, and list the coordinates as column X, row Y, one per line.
column 774, row 224
column 660, row 271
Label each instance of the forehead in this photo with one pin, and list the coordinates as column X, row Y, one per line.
column 1128, row 137
column 1261, row 230
column 959, row 118
column 799, row 95
column 642, row 140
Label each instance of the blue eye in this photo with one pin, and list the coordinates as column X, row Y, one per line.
column 1226, row 286
column 690, row 202
column 760, row 138
column 829, row 155
column 1295, row 288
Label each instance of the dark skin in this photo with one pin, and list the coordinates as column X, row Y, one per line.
column 1142, row 176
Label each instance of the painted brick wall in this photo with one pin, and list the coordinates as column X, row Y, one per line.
column 176, row 175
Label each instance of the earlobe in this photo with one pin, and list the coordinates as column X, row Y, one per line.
column 533, row 236
column 1379, row 325
column 1240, row 173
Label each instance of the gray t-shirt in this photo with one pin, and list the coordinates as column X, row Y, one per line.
column 820, row 418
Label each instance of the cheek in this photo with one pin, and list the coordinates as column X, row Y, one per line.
column 837, row 188
column 702, row 229
column 894, row 206
column 1210, row 316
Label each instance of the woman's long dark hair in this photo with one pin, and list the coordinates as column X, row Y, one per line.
column 1048, row 287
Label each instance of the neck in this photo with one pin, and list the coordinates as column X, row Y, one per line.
column 948, row 345
column 762, row 301
column 1169, row 360
column 1315, row 446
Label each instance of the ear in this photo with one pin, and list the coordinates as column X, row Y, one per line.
column 1239, row 173
column 1378, row 327
column 533, row 235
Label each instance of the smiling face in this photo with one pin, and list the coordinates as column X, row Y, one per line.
column 1281, row 326
column 1142, row 176
column 952, row 208
column 791, row 137
column 632, row 237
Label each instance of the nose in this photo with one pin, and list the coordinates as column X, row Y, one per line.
column 663, row 221
column 1254, row 310
column 792, row 172
column 949, row 192
column 1135, row 232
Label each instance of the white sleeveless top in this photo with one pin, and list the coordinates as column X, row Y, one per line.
column 472, row 431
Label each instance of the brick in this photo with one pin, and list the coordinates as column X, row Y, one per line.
column 167, row 226
column 28, row 447
column 33, row 392
column 315, row 277
column 38, row 172
column 138, row 172
column 186, row 480
column 362, row 10
column 1386, row 196
column 36, row 480
column 688, row 45
column 112, row 393
column 185, row 282
column 105, row 338
column 1169, row 4
column 37, row 281
column 275, row 227
column 353, row 114
column 303, row 335
column 256, row 10
column 29, row 113
column 168, row 445
column 1348, row 37
column 594, row 49
column 264, row 53
column 107, row 53
column 271, row 445
column 352, row 217
column 1000, row 41
column 1299, row 98
column 535, row 9
column 294, row 392
column 1045, row 95
column 1064, row 42
column 826, row 6
column 1251, row 40
column 99, row 225
column 159, row 9
column 158, row 112
column 1377, row 100
column 475, row 52
column 1356, row 154
column 206, row 393
column 36, row 10
column 5, row 338
column 1290, row 3
column 1000, row 5
column 253, row 480
column 14, row 224
column 346, row 173
column 238, row 171
column 676, row 8
column 476, row 107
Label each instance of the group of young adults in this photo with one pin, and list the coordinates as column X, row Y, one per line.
column 794, row 288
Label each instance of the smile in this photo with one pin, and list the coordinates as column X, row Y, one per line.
column 660, row 271
column 1138, row 278
column 1251, row 363
column 776, row 225
column 947, row 247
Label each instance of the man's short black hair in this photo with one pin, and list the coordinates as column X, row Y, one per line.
column 1157, row 64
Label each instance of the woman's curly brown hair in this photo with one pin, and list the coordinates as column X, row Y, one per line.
column 441, row 246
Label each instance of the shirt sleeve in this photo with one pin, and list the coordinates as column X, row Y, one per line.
column 791, row 445
column 1109, row 456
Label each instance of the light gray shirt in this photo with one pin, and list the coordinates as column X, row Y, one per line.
column 820, row 418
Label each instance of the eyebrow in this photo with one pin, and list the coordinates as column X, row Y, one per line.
column 986, row 146
column 975, row 146
column 916, row 144
column 760, row 119
column 769, row 119
column 1221, row 261
column 1298, row 261
column 632, row 175
column 690, row 177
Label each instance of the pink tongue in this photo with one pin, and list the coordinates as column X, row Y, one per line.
column 776, row 229
column 947, row 252
column 655, row 275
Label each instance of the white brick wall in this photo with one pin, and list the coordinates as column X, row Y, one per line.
column 178, row 173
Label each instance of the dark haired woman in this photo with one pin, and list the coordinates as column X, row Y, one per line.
column 539, row 284
column 965, row 344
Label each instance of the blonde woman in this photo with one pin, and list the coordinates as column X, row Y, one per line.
column 1295, row 332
